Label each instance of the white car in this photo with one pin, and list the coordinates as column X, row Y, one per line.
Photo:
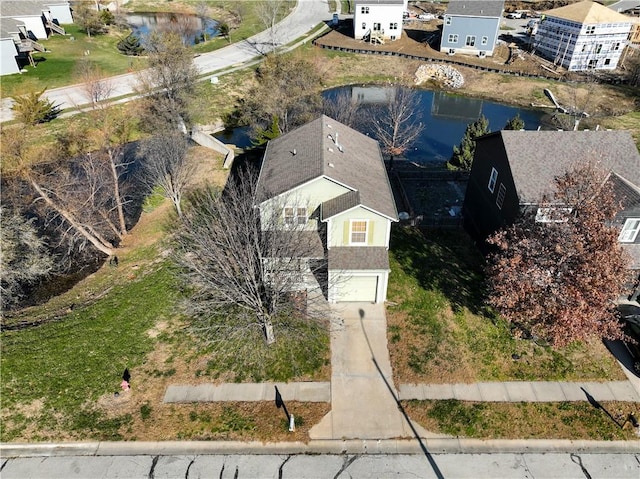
column 426, row 16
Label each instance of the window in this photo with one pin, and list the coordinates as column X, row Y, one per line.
column 630, row 230
column 492, row 180
column 393, row 26
column 615, row 46
column 593, row 63
column 295, row 216
column 364, row 25
column 358, row 232
column 502, row 191
column 471, row 40
column 591, row 29
column 447, row 20
column 364, row 9
column 607, row 61
column 485, row 40
column 599, row 48
column 453, row 38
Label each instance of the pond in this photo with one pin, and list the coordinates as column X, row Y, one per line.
column 445, row 117
column 193, row 29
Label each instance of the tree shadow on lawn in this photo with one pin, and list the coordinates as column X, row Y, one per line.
column 442, row 260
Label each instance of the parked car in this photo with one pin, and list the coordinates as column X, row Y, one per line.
column 632, row 330
column 514, row 15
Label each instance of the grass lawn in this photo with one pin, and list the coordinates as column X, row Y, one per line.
column 565, row 420
column 441, row 332
column 60, row 372
column 59, row 67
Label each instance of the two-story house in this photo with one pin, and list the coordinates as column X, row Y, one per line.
column 332, row 179
column 583, row 36
column 471, row 27
column 512, row 170
column 378, row 20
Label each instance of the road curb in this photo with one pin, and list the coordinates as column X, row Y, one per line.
column 328, row 446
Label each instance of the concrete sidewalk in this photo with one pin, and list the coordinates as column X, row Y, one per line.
column 522, row 391
column 305, row 392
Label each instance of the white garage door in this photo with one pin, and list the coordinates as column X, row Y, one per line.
column 358, row 288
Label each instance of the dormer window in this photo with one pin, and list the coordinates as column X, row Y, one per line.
column 630, row 230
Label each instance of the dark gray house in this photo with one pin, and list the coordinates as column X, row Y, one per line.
column 471, row 27
column 512, row 170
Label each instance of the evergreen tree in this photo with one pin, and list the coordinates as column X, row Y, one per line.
column 462, row 157
column 130, row 45
column 32, row 108
column 516, row 123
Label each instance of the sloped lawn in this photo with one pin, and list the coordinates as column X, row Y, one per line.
column 441, row 332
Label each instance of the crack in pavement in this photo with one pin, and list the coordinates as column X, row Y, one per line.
column 526, row 467
column 153, row 467
column 578, row 461
column 345, row 464
column 186, row 474
column 282, row 465
column 4, row 464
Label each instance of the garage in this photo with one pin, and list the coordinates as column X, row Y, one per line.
column 357, row 288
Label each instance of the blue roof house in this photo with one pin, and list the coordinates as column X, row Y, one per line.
column 471, row 27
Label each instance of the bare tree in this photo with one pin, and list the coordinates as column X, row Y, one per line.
column 168, row 84
column 344, row 108
column 74, row 196
column 96, row 86
column 165, row 164
column 25, row 258
column 244, row 266
column 558, row 276
column 398, row 124
column 269, row 12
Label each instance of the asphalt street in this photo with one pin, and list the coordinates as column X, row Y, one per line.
column 306, row 15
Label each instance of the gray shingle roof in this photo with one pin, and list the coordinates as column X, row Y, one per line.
column 358, row 258
column 10, row 8
column 311, row 151
column 478, row 8
column 339, row 204
column 537, row 157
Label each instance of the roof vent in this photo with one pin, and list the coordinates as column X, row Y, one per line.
column 330, row 149
column 330, row 165
column 328, row 125
column 294, row 152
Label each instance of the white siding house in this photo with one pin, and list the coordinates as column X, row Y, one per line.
column 583, row 36
column 23, row 22
column 378, row 19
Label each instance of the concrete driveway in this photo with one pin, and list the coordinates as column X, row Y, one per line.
column 363, row 398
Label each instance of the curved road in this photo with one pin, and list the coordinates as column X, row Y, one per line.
column 306, row 15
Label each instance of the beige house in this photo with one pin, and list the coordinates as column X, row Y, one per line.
column 332, row 179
